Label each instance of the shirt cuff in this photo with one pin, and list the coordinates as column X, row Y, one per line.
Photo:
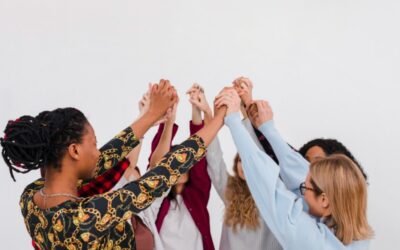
column 267, row 128
column 232, row 119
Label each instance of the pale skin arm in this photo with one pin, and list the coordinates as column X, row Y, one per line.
column 244, row 88
column 165, row 140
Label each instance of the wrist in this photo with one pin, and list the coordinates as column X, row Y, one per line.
column 151, row 116
column 246, row 102
column 169, row 123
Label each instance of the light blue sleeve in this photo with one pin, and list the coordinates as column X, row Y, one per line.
column 280, row 208
column 294, row 168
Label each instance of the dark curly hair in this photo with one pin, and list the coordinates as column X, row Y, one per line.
column 330, row 146
column 31, row 143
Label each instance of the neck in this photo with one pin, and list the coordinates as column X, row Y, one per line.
column 58, row 181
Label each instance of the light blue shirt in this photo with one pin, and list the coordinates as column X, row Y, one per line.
column 279, row 204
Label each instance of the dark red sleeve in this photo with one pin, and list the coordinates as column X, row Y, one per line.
column 199, row 180
column 157, row 138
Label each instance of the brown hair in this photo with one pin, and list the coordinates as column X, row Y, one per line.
column 241, row 210
column 345, row 186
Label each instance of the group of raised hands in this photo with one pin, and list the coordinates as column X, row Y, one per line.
column 161, row 102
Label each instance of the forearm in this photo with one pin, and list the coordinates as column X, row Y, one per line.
column 196, row 116
column 216, row 167
column 293, row 167
column 243, row 110
column 163, row 145
column 133, row 156
column 210, row 130
column 143, row 124
column 115, row 151
column 208, row 116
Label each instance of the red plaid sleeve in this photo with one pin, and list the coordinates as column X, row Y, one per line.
column 104, row 182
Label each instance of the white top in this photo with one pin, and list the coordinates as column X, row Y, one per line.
column 242, row 239
column 179, row 232
column 149, row 215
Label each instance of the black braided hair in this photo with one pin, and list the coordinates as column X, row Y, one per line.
column 330, row 146
column 31, row 143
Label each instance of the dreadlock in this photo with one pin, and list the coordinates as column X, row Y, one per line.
column 330, row 147
column 30, row 143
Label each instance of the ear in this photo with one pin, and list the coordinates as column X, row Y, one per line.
column 325, row 205
column 74, row 151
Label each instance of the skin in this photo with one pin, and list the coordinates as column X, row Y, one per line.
column 315, row 153
column 318, row 205
column 240, row 170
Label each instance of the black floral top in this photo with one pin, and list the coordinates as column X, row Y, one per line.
column 100, row 222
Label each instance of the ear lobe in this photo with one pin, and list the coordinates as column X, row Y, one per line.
column 73, row 151
column 325, row 203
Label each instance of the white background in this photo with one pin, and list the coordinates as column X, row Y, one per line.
column 329, row 68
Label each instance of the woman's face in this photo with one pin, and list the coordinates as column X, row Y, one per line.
column 240, row 170
column 315, row 153
column 318, row 205
column 88, row 154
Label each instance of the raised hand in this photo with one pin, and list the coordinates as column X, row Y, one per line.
column 199, row 104
column 162, row 97
column 260, row 112
column 144, row 103
column 228, row 97
column 170, row 116
column 244, row 87
column 198, row 99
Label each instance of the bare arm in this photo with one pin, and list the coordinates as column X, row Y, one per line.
column 165, row 140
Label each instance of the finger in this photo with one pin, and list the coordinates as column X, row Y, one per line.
column 259, row 105
column 219, row 97
column 162, row 84
column 154, row 88
column 224, row 99
column 195, row 103
column 264, row 105
column 223, row 103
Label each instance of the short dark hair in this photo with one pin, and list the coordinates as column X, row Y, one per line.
column 330, row 146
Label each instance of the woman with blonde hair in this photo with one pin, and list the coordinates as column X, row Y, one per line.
column 333, row 212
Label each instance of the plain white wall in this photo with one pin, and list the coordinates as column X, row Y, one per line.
column 329, row 68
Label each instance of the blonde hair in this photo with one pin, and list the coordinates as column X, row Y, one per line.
column 344, row 185
column 241, row 210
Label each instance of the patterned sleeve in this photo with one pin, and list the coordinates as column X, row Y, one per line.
column 113, row 152
column 116, row 150
column 110, row 209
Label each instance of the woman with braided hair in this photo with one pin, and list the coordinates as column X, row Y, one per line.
column 63, row 142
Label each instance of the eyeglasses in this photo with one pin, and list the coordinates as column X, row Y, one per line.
column 315, row 189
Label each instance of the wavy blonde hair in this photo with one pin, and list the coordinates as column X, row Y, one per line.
column 345, row 186
column 241, row 210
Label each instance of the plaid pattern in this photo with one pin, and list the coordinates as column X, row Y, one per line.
column 104, row 182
